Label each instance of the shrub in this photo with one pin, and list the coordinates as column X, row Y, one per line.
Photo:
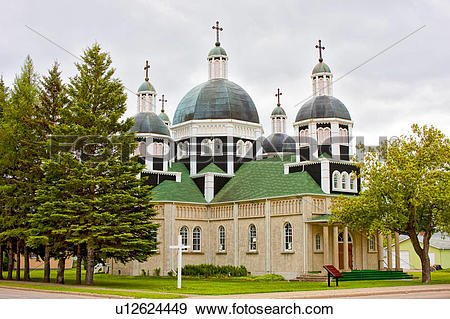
column 157, row 271
column 207, row 270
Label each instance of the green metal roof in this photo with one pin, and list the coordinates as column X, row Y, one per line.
column 278, row 111
column 320, row 68
column 163, row 116
column 217, row 50
column 146, row 86
column 262, row 179
column 149, row 122
column 185, row 191
column 216, row 99
column 212, row 168
column 323, row 106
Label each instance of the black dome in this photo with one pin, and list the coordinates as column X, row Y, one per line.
column 216, row 99
column 280, row 143
column 323, row 106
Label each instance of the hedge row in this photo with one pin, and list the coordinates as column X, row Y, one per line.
column 206, row 270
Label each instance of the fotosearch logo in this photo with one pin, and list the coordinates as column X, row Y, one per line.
column 97, row 148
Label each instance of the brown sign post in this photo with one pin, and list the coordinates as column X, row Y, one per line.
column 333, row 272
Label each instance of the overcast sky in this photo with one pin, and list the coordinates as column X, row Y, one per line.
column 270, row 45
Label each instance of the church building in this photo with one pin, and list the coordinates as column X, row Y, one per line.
column 239, row 198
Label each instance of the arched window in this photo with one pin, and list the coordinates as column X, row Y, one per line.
column 326, row 135
column 240, row 148
column 341, row 237
column 218, row 147
column 222, row 246
column 184, row 232
column 304, row 136
column 344, row 180
column 180, row 150
column 353, row 182
column 372, row 243
column 252, row 238
column 336, row 180
column 287, row 237
column 248, row 149
column 206, row 148
column 197, row 239
column 186, row 149
column 318, row 246
column 320, row 135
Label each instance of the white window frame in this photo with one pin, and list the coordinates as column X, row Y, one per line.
column 345, row 183
column 240, row 148
column 184, row 232
column 288, row 236
column 372, row 240
column 206, row 147
column 197, row 239
column 252, row 246
column 222, row 238
column 337, row 178
column 219, row 150
column 248, row 149
column 318, row 243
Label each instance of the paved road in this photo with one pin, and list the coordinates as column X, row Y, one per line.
column 414, row 295
column 8, row 293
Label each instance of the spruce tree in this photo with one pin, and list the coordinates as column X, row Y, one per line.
column 108, row 208
column 21, row 147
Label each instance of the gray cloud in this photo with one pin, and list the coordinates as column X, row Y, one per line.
column 270, row 45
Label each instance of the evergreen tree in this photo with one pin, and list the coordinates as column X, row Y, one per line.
column 4, row 96
column 92, row 193
column 21, row 147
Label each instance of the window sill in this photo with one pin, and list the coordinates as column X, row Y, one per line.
column 372, row 252
column 288, row 252
column 253, row 252
column 318, row 251
column 193, row 253
column 221, row 253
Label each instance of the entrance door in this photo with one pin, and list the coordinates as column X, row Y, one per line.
column 341, row 251
column 341, row 255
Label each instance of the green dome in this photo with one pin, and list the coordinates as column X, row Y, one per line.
column 320, row 68
column 146, row 86
column 217, row 50
column 149, row 122
column 323, row 106
column 163, row 116
column 278, row 111
column 216, row 99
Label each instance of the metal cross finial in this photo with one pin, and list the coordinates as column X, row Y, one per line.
column 147, row 66
column 216, row 27
column 320, row 47
column 162, row 100
column 278, row 96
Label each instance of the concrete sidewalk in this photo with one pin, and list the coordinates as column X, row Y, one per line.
column 338, row 293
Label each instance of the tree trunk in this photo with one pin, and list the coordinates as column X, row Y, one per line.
column 10, row 259
column 26, row 263
column 61, row 267
column 18, row 260
column 90, row 266
column 47, row 264
column 79, row 263
column 423, row 254
column 1, row 262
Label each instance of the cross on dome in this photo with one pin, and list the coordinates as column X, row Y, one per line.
column 217, row 28
column 146, row 67
column 320, row 47
column 278, row 96
column 162, row 100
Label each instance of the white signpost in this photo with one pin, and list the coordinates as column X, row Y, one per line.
column 180, row 248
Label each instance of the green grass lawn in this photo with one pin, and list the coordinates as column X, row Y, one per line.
column 217, row 286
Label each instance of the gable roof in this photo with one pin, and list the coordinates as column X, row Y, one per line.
column 212, row 168
column 263, row 179
column 437, row 240
column 185, row 191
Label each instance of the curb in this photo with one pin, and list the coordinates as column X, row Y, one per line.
column 69, row 292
